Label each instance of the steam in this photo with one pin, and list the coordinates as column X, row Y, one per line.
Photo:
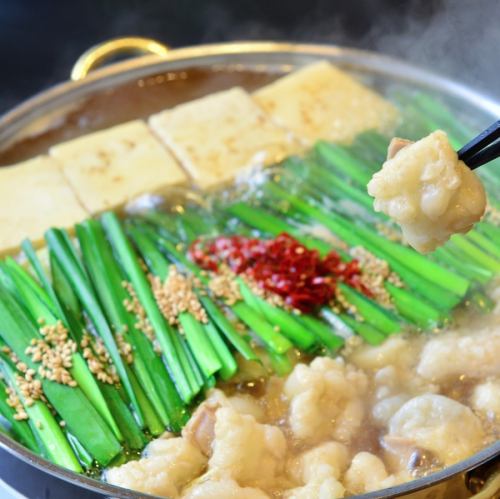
column 461, row 40
column 456, row 38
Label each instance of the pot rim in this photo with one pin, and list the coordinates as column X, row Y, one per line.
column 116, row 73
column 99, row 79
column 95, row 485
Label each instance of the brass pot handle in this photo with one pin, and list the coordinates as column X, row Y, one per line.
column 484, row 482
column 98, row 54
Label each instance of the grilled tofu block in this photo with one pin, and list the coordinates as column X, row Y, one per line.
column 34, row 196
column 219, row 136
column 106, row 169
column 320, row 101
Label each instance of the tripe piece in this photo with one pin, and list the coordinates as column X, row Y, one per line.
column 320, row 101
column 219, row 136
column 447, row 428
column 428, row 191
column 106, row 169
column 34, row 196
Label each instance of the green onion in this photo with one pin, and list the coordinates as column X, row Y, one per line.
column 46, row 428
column 152, row 420
column 156, row 261
column 163, row 331
column 475, row 254
column 323, row 332
column 280, row 319
column 147, row 365
column 343, row 161
column 370, row 334
column 21, row 429
column 280, row 363
column 205, row 355
column 399, row 258
column 203, row 349
column 75, row 273
column 484, row 243
column 71, row 404
column 265, row 331
column 416, row 311
column 228, row 364
column 381, row 319
column 228, row 329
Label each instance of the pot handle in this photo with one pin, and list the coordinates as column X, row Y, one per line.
column 98, row 54
column 484, row 482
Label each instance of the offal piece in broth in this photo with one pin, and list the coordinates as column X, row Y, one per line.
column 425, row 189
column 240, row 448
column 225, row 488
column 319, row 470
column 472, row 356
column 168, row 465
column 251, row 453
column 329, row 459
column 368, row 473
column 486, row 399
column 326, row 391
column 334, row 427
column 318, row 487
column 444, row 426
column 200, row 429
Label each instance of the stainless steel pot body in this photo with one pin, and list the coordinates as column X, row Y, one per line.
column 137, row 87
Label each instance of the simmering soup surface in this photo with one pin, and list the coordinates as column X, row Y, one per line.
column 371, row 418
column 223, row 314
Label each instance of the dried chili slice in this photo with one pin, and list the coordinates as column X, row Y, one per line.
column 282, row 265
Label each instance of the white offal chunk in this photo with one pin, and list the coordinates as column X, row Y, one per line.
column 318, row 488
column 395, row 351
column 367, row 473
column 326, row 460
column 428, row 192
column 251, row 453
column 384, row 409
column 171, row 464
column 325, row 400
column 200, row 430
column 474, row 356
column 486, row 398
column 439, row 424
column 223, row 489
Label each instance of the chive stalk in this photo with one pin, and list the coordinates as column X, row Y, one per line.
column 79, row 370
column 279, row 318
column 46, row 427
column 147, row 365
column 21, row 429
column 163, row 331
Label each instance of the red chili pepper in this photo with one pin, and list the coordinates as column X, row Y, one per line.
column 282, row 266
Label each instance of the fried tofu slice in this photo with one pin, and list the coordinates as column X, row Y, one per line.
column 106, row 169
column 219, row 136
column 34, row 196
column 320, row 101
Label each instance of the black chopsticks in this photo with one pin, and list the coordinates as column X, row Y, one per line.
column 482, row 149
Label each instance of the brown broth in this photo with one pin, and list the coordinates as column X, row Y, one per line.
column 134, row 100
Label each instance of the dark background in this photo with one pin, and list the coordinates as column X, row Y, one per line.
column 40, row 40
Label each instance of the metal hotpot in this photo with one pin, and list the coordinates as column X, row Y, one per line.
column 142, row 85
